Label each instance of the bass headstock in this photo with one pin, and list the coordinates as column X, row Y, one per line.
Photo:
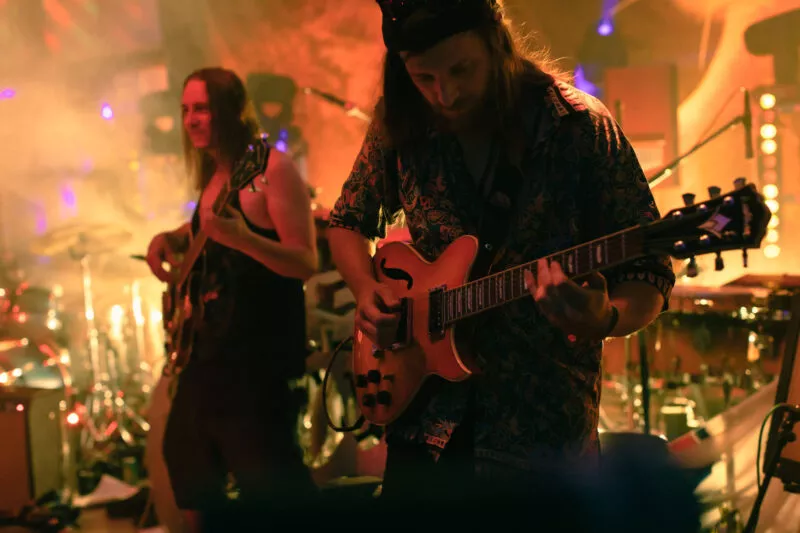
column 736, row 220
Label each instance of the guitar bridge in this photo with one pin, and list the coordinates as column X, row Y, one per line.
column 436, row 312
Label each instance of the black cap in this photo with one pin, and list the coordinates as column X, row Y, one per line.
column 447, row 18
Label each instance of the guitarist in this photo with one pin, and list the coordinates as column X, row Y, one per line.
column 472, row 133
column 233, row 414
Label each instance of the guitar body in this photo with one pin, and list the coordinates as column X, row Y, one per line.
column 181, row 318
column 388, row 380
column 440, row 299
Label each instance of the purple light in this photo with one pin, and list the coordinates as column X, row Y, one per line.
column 41, row 220
column 191, row 206
column 68, row 197
column 6, row 94
column 106, row 112
column 583, row 84
column 281, row 144
column 605, row 28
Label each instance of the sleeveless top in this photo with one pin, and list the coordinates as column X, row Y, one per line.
column 251, row 314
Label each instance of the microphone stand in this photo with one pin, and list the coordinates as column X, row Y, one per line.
column 666, row 172
column 785, row 436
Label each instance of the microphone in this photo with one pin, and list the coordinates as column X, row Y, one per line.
column 747, row 120
column 352, row 109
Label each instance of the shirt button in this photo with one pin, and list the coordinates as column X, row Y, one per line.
column 488, row 246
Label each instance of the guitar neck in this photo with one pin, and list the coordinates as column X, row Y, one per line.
column 503, row 287
column 199, row 241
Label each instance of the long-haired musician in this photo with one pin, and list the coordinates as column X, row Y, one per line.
column 233, row 417
column 463, row 109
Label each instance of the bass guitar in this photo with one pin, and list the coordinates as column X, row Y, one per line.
column 437, row 297
column 180, row 317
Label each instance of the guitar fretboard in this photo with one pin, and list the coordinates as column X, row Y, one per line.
column 509, row 285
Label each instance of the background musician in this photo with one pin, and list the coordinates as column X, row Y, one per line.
column 233, row 415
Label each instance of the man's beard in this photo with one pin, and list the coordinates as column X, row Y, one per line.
column 475, row 117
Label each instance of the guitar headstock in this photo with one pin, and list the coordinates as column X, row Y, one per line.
column 736, row 220
column 251, row 165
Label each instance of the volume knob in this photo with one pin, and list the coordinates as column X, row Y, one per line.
column 384, row 397
column 368, row 400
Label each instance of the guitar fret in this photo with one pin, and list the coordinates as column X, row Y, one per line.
column 501, row 287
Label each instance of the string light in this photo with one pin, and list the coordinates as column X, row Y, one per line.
column 769, row 169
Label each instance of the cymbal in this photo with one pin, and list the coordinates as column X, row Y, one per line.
column 766, row 281
column 698, row 291
column 81, row 239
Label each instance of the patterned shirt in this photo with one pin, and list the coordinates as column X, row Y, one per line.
column 537, row 396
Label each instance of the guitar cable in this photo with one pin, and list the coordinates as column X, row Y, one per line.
column 343, row 428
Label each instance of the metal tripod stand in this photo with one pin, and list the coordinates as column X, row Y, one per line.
column 107, row 413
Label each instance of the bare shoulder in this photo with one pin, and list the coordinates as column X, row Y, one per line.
column 281, row 171
column 282, row 179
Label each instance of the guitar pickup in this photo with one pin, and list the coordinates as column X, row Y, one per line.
column 436, row 312
column 404, row 327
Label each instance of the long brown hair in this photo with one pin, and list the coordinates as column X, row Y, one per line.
column 233, row 123
column 405, row 114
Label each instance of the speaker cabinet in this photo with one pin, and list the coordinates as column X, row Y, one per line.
column 31, row 450
column 644, row 101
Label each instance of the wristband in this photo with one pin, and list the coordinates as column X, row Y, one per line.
column 614, row 320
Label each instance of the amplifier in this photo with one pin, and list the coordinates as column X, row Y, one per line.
column 31, row 445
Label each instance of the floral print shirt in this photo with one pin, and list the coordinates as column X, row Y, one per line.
column 537, row 397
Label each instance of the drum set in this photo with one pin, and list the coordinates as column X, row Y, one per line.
column 711, row 350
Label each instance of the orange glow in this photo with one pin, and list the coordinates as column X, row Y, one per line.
column 767, row 101
column 769, row 131
column 73, row 419
column 769, row 147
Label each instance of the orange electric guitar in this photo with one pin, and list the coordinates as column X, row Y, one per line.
column 180, row 318
column 437, row 297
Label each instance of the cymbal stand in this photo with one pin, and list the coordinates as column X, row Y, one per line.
column 103, row 397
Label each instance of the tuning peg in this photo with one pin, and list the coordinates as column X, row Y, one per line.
column 719, row 264
column 714, row 191
column 744, row 257
column 688, row 199
column 691, row 269
column 739, row 183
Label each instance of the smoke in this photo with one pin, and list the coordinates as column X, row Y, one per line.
column 716, row 8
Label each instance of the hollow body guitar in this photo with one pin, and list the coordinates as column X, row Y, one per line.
column 437, row 298
column 181, row 314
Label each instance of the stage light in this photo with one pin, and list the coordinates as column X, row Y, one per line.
column 768, row 131
column 20, row 407
column 774, row 222
column 771, row 251
column 7, row 94
column 73, row 419
column 770, row 176
column 773, row 205
column 605, row 28
column 772, row 236
column 767, row 101
column 769, row 146
column 106, row 112
column 281, row 144
column 770, row 191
